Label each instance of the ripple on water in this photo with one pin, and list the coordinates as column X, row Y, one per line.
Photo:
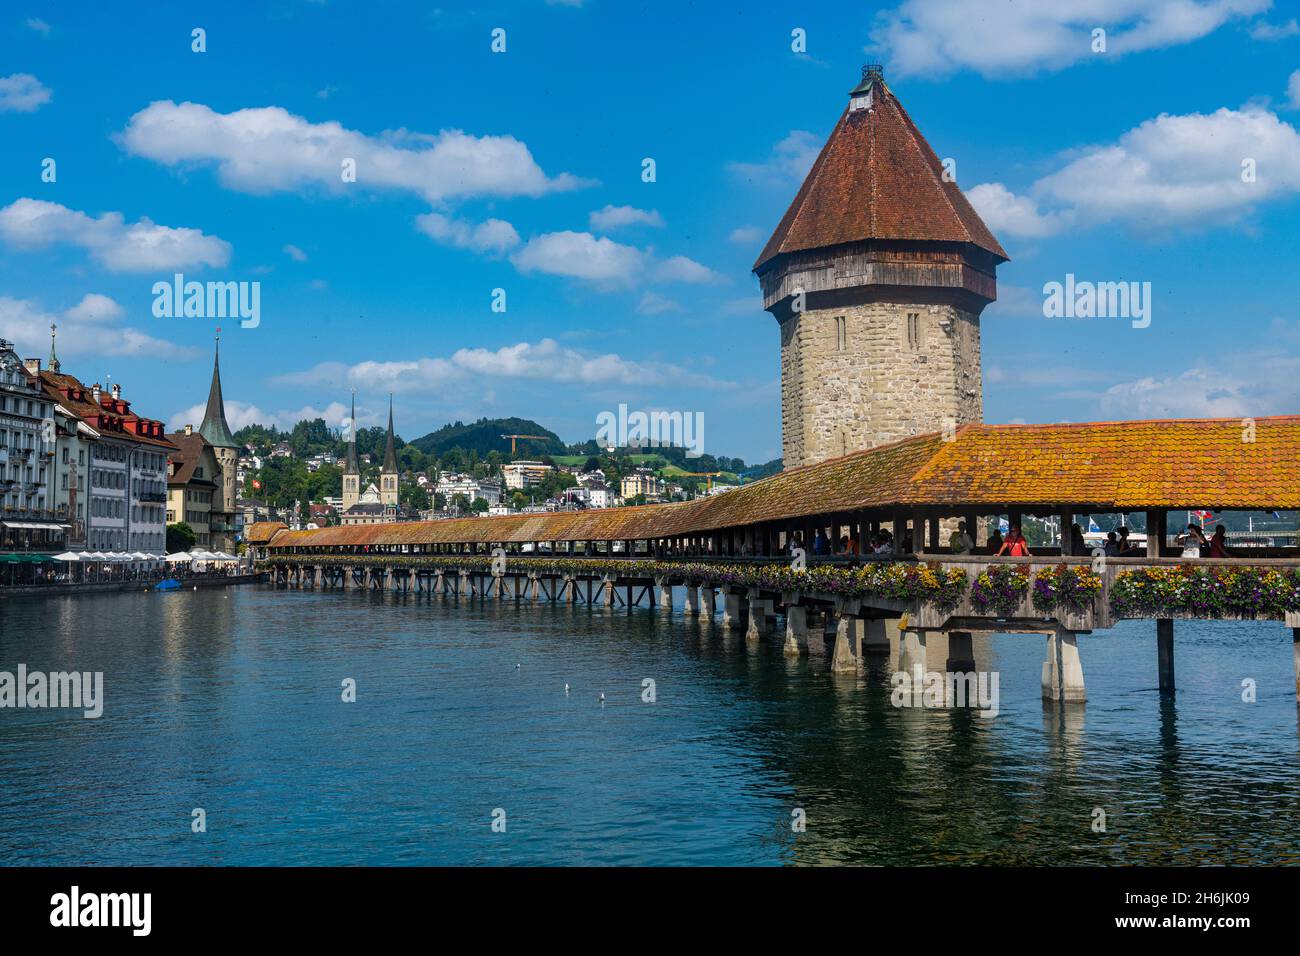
column 230, row 701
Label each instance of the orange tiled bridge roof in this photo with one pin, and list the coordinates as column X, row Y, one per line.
column 1098, row 466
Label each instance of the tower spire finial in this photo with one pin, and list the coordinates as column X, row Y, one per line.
column 390, row 451
column 54, row 358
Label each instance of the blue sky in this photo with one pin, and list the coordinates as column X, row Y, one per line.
column 522, row 171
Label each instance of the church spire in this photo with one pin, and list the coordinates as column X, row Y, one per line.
column 54, row 358
column 214, row 427
column 390, row 453
column 352, row 466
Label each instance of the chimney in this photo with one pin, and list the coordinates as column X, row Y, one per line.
column 94, row 392
column 33, row 365
column 117, row 391
column 189, row 430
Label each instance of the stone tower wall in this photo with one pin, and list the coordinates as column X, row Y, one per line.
column 228, row 460
column 351, row 490
column 856, row 376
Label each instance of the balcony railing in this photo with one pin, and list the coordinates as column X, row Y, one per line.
column 34, row 514
column 155, row 497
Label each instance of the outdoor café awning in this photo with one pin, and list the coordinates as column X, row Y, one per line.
column 25, row 559
column 34, row 525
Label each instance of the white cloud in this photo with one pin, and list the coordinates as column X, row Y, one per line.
column 268, row 149
column 22, row 93
column 580, row 255
column 294, row 253
column 746, row 235
column 654, row 304
column 142, row 246
column 1005, row 212
column 1240, row 384
column 682, row 269
column 492, row 236
column 940, row 37
column 39, row 25
column 242, row 414
column 87, row 330
column 1171, row 170
column 1269, row 31
column 789, row 163
column 545, row 361
column 616, row 217
column 1194, row 393
column 604, row 262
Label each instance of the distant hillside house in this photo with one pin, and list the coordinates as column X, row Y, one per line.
column 641, row 482
column 451, row 485
column 525, row 474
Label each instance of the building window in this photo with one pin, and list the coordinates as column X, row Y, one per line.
column 914, row 331
column 841, row 334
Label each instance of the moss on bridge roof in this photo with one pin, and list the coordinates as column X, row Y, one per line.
column 1121, row 466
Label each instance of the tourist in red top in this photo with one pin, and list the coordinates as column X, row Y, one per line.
column 1015, row 546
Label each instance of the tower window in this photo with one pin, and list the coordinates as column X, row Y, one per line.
column 841, row 334
column 914, row 331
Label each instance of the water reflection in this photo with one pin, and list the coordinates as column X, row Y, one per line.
column 230, row 700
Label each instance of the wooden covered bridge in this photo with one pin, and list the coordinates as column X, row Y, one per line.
column 738, row 545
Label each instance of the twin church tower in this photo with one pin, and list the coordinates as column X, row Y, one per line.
column 352, row 493
column 877, row 274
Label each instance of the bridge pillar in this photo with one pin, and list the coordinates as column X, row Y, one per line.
column 875, row 638
column 692, row 605
column 608, row 592
column 796, row 630
column 1063, row 671
column 961, row 653
column 464, row 587
column 665, row 594
column 757, row 618
column 828, row 624
column 844, row 659
column 1165, row 653
column 709, row 601
column 911, row 651
column 732, row 616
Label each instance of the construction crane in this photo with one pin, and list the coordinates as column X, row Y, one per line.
column 701, row 474
column 513, row 438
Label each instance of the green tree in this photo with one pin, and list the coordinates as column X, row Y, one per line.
column 480, row 505
column 415, row 497
column 180, row 537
